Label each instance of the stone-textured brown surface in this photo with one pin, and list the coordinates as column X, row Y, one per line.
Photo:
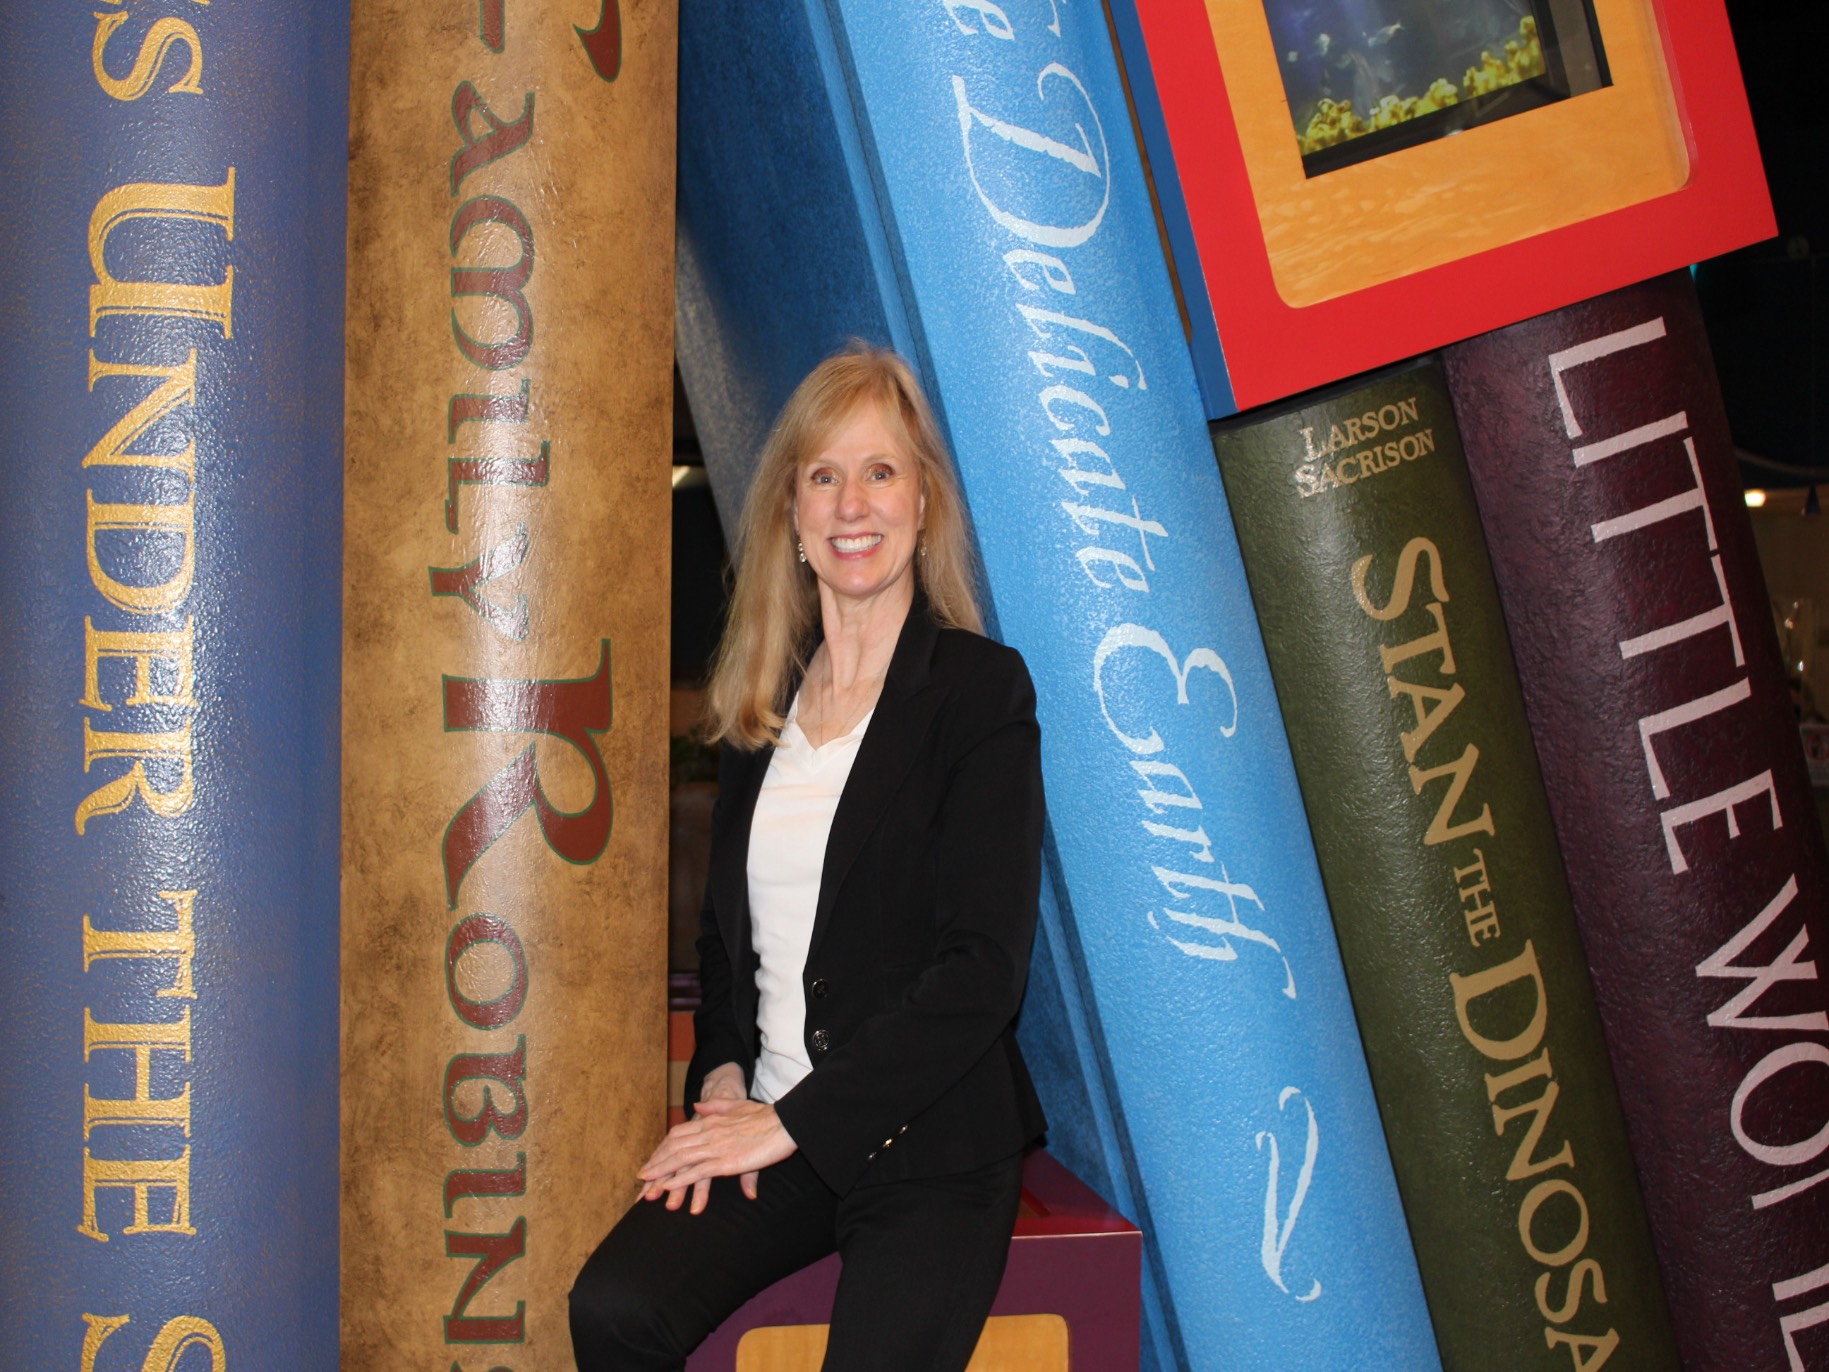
column 595, row 183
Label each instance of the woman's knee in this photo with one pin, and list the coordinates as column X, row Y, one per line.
column 618, row 1319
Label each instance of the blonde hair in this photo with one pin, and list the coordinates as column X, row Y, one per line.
column 772, row 627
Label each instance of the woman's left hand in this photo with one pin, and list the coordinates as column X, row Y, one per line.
column 724, row 1138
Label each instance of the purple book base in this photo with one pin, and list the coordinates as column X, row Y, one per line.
column 1072, row 1256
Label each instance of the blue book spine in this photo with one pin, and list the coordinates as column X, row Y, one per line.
column 1204, row 343
column 960, row 180
column 170, row 584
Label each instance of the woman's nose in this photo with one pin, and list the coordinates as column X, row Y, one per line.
column 851, row 501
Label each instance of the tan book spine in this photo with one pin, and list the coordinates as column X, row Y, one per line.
column 510, row 336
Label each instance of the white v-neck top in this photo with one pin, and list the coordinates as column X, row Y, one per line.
column 787, row 852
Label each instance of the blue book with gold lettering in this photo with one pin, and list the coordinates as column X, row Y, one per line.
column 170, row 577
column 960, row 181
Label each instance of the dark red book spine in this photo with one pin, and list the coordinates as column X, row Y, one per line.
column 1609, row 494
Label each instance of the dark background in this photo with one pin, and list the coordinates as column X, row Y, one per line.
column 1765, row 304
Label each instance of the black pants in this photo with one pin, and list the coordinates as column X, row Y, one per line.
column 921, row 1264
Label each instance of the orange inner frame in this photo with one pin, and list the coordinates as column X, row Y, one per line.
column 1450, row 198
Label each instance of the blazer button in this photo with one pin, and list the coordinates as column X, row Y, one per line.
column 821, row 1040
column 819, row 988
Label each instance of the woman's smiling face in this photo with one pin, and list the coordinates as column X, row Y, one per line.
column 858, row 508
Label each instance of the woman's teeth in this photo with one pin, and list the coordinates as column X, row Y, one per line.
column 858, row 544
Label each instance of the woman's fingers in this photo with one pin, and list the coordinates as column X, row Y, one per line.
column 728, row 1139
column 682, row 1142
column 689, row 1175
column 687, row 1141
column 695, row 1179
column 653, row 1189
column 679, row 1162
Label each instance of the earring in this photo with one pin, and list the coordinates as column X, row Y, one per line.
column 800, row 550
column 923, row 548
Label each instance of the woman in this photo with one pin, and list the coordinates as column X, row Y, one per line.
column 865, row 937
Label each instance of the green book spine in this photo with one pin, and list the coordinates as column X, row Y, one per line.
column 1372, row 583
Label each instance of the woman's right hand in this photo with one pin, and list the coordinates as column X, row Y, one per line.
column 723, row 1083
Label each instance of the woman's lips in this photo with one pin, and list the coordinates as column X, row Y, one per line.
column 855, row 544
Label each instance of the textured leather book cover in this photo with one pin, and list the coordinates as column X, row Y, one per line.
column 1624, row 558
column 1375, row 594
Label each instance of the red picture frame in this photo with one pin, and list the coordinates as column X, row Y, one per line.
column 1282, row 328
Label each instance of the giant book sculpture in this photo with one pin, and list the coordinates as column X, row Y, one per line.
column 169, row 573
column 504, row 854
column 1397, row 684
column 961, row 182
column 1625, row 562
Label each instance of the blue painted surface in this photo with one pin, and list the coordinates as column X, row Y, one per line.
column 258, row 842
column 985, row 147
column 1180, row 1037
column 765, row 169
column 1209, row 354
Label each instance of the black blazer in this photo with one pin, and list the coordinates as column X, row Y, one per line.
column 921, row 937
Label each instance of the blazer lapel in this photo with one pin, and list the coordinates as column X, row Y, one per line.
column 730, row 873
column 891, row 744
